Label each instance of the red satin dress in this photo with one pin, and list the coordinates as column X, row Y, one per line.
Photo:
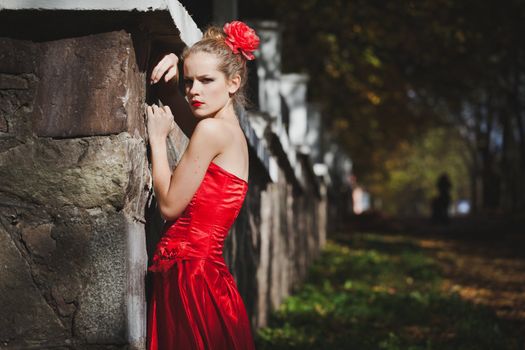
column 195, row 302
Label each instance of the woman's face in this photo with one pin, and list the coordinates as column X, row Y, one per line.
column 207, row 89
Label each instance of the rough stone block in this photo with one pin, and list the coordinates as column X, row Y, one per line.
column 13, row 82
column 85, row 85
column 17, row 93
column 92, row 278
column 26, row 317
column 3, row 124
column 101, row 316
column 38, row 240
column 16, row 56
column 85, row 172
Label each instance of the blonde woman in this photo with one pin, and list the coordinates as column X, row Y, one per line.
column 195, row 302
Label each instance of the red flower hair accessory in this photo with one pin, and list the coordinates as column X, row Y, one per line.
column 241, row 38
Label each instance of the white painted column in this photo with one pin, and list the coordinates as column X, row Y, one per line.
column 293, row 90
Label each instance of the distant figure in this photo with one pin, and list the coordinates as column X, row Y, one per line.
column 441, row 203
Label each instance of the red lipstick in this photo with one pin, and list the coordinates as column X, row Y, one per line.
column 196, row 103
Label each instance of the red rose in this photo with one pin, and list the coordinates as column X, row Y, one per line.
column 241, row 38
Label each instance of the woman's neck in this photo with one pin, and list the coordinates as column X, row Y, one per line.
column 227, row 112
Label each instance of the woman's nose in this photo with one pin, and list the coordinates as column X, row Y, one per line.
column 194, row 89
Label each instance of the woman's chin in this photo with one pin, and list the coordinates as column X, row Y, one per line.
column 201, row 116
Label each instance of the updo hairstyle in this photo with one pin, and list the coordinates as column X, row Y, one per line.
column 213, row 42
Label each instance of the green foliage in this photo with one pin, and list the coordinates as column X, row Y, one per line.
column 413, row 171
column 378, row 294
column 387, row 72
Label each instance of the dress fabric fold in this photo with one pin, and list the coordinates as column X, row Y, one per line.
column 195, row 303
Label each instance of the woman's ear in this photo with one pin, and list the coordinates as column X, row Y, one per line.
column 234, row 83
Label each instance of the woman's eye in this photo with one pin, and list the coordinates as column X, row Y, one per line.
column 188, row 82
column 207, row 80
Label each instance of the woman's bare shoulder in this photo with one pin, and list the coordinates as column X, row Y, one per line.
column 213, row 131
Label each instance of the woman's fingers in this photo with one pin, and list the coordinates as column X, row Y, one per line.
column 158, row 71
column 172, row 72
column 160, row 121
column 149, row 111
column 154, row 72
column 167, row 109
column 167, row 63
column 155, row 109
column 159, row 112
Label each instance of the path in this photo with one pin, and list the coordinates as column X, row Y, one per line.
column 482, row 259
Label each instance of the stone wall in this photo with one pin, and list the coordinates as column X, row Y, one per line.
column 78, row 219
column 73, row 191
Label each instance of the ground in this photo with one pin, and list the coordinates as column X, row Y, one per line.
column 409, row 285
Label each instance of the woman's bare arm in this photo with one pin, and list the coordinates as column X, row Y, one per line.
column 175, row 193
column 165, row 77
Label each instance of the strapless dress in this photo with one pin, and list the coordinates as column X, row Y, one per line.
column 195, row 303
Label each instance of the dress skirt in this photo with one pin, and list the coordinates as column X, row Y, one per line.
column 196, row 305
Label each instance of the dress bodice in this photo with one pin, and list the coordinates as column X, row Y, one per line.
column 200, row 231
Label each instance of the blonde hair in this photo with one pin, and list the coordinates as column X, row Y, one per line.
column 231, row 64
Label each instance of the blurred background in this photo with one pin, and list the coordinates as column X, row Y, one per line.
column 386, row 206
column 414, row 90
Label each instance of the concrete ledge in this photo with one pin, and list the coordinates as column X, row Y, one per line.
column 189, row 32
column 111, row 5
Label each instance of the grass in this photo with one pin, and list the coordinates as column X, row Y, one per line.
column 379, row 292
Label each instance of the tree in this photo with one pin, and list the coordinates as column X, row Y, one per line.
column 387, row 73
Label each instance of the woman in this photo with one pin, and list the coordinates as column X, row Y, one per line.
column 195, row 302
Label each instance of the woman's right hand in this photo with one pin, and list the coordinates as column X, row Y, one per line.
column 167, row 65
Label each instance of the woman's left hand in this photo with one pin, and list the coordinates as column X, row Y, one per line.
column 159, row 122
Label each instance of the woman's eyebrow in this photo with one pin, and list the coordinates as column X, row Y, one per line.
column 198, row 76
